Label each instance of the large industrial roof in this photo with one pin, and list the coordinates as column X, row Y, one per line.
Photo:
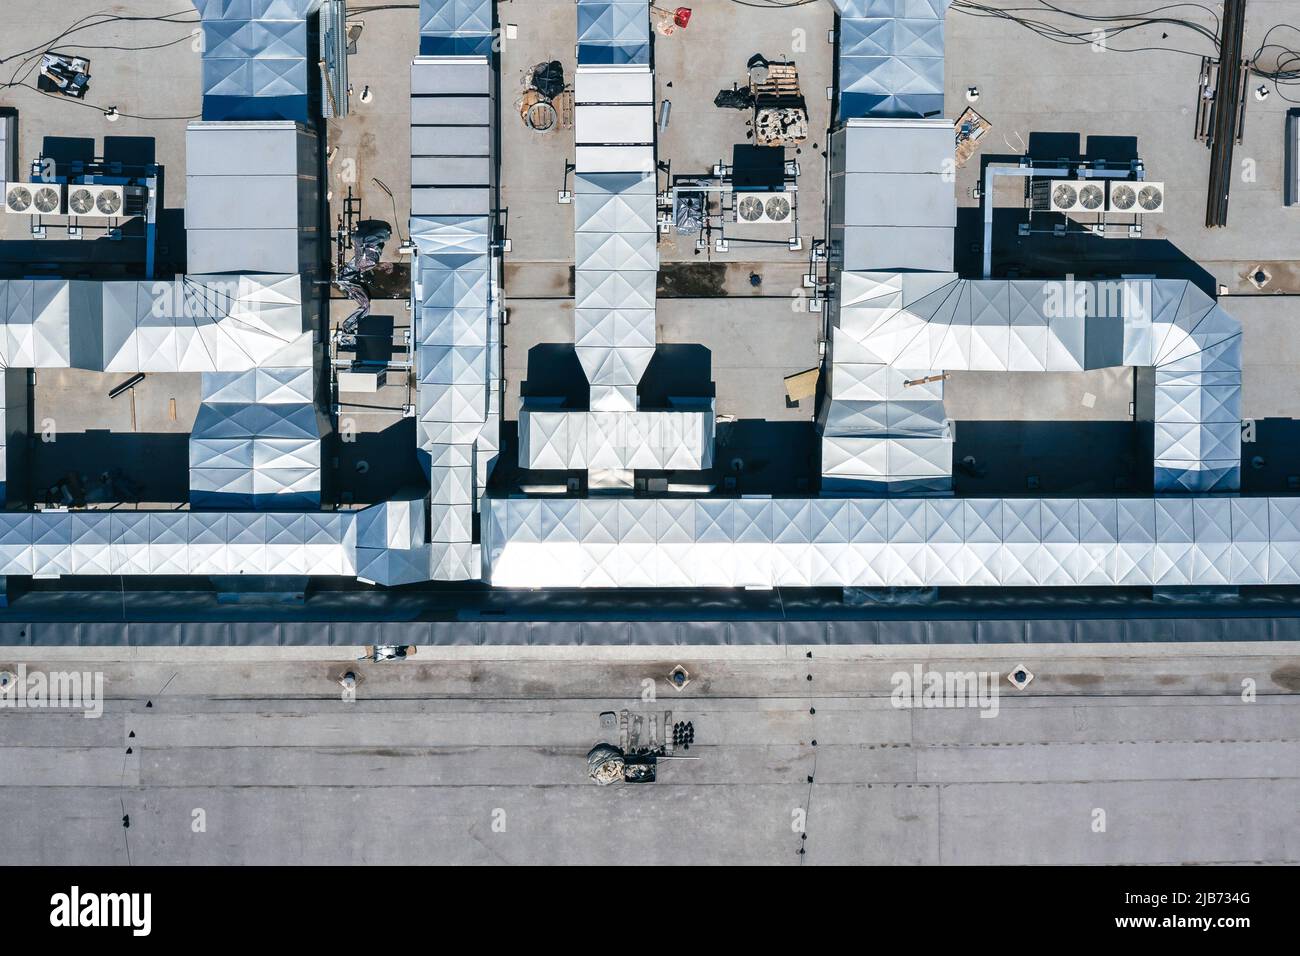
column 900, row 319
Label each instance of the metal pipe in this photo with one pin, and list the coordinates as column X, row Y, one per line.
column 130, row 383
column 1023, row 170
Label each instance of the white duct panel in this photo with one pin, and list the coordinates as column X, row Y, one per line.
column 913, row 199
column 455, row 405
column 454, row 201
column 90, row 535
column 451, row 111
column 613, row 124
column 461, row 326
column 613, row 32
column 129, row 541
column 457, row 562
column 176, row 543
column 622, row 440
column 263, row 386
column 395, row 524
column 451, row 523
column 1284, row 541
column 614, row 328
column 1028, row 339
column 990, row 326
column 452, row 486
column 37, row 323
column 468, row 234
column 208, row 543
column 473, row 141
column 899, row 543
column 168, row 543
column 980, row 555
column 17, row 554
column 614, row 84
column 1248, row 547
column 624, row 212
column 632, row 251
column 446, row 75
column 850, row 457
column 451, row 365
column 453, row 170
column 610, row 289
column 52, row 544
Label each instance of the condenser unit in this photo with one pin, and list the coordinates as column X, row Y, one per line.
column 95, row 202
column 1137, row 197
column 1063, row 195
column 1092, row 197
column 764, row 208
column 34, row 199
column 1076, row 195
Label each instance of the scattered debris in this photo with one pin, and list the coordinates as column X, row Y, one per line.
column 368, row 240
column 547, row 100
column 75, row 490
column 636, row 758
column 605, row 764
column 688, row 212
column 547, row 79
column 802, row 385
column 539, row 114
column 780, row 110
column 926, row 380
column 387, row 652
column 65, row 75
column 970, row 127
column 667, row 22
column 734, row 99
column 640, row 768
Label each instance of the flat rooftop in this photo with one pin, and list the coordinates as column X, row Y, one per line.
column 1157, row 736
column 131, row 450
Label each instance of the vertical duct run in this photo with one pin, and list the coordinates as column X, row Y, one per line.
column 616, row 260
column 892, row 215
column 251, row 200
column 457, row 326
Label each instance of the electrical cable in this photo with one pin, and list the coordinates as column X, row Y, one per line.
column 773, row 4
column 115, row 111
column 31, row 57
column 1284, row 71
column 107, row 18
column 1113, row 25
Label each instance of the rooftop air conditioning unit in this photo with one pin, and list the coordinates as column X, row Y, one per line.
column 1137, row 197
column 1123, row 196
column 1063, row 195
column 34, row 199
column 764, row 208
column 1076, row 195
column 1092, row 197
column 95, row 202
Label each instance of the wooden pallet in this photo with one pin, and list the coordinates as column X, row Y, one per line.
column 966, row 147
column 782, row 80
column 564, row 109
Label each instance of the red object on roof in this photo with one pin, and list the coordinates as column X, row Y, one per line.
column 682, row 16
